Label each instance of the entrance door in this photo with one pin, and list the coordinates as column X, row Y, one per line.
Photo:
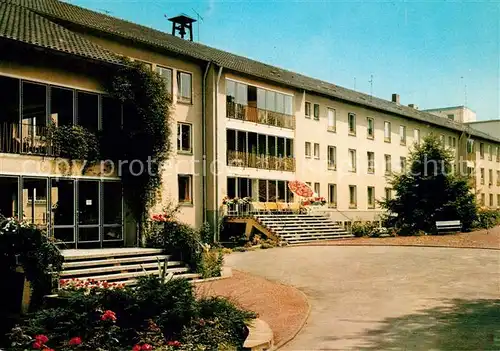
column 89, row 220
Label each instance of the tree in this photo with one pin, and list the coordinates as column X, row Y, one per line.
column 429, row 191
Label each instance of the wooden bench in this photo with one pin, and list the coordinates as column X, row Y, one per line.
column 448, row 226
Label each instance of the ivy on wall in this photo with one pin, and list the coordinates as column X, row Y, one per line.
column 142, row 145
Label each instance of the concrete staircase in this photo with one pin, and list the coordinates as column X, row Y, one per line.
column 301, row 228
column 121, row 265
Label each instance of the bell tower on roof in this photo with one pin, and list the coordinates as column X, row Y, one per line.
column 181, row 25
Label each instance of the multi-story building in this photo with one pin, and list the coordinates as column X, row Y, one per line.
column 244, row 128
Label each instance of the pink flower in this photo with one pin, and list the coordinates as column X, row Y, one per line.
column 174, row 343
column 136, row 348
column 146, row 347
column 37, row 345
column 75, row 341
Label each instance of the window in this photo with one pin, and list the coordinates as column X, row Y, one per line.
column 482, row 175
column 184, row 87
column 498, row 179
column 308, row 109
column 491, row 200
column 371, row 197
column 308, row 149
column 166, row 75
column 332, row 195
column 148, row 66
column 454, row 142
column 498, row 153
column 490, row 153
column 450, row 142
column 316, row 189
column 402, row 135
column 353, row 201
column 481, row 150
column 352, row 160
column 483, row 199
column 111, row 114
column 309, row 184
column 332, row 120
column 442, row 140
column 34, row 107
column 88, row 110
column 388, row 164
column 352, row 123
column 388, row 193
column 9, row 100
column 402, row 161
column 498, row 200
column 416, row 136
column 184, row 141
column 61, row 106
column 34, row 201
column 332, row 157
column 370, row 131
column 316, row 112
column 316, row 150
column 470, row 146
column 387, row 132
column 371, row 162
column 490, row 177
column 184, row 183
column 451, row 116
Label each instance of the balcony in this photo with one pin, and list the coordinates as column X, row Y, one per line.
column 25, row 138
column 260, row 116
column 250, row 160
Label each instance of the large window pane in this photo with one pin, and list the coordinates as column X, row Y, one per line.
column 88, row 234
column 61, row 106
column 62, row 202
column 66, row 235
column 9, row 100
column 280, row 103
column 8, row 196
column 112, row 205
column 88, row 110
column 184, row 86
column 88, row 202
column 271, row 100
column 262, row 190
column 111, row 113
column 272, row 190
column 231, row 188
column 35, row 201
column 241, row 94
column 34, row 104
column 288, row 105
column 113, row 233
column 261, row 99
column 166, row 75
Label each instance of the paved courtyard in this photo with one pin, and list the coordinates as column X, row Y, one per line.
column 388, row 298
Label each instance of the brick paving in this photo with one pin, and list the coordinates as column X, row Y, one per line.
column 283, row 307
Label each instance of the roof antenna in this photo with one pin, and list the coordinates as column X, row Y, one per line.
column 198, row 26
column 105, row 11
column 465, row 90
column 371, row 85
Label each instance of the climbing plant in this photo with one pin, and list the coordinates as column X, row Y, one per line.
column 142, row 145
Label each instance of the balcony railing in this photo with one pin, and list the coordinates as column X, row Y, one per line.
column 25, row 138
column 249, row 160
column 257, row 115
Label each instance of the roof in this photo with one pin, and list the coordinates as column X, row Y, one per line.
column 20, row 24
column 60, row 12
column 486, row 121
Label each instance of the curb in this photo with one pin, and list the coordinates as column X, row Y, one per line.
column 405, row 245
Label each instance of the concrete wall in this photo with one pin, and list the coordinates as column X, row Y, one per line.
column 491, row 127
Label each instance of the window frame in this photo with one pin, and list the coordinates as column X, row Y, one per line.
column 332, row 164
column 352, row 131
column 332, row 204
column 352, row 160
column 331, row 128
column 180, row 126
column 402, row 135
column 307, row 109
column 372, row 198
column 316, row 108
column 403, row 163
column 190, row 190
column 307, row 154
column 353, row 204
column 387, row 132
column 316, row 146
column 369, row 135
column 161, row 67
column 416, row 136
column 370, row 166
column 387, row 161
column 181, row 98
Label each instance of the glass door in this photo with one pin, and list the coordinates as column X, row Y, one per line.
column 112, row 213
column 62, row 217
column 88, row 195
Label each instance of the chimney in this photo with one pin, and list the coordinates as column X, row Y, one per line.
column 413, row 106
column 395, row 98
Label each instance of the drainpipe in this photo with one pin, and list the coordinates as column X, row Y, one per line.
column 203, row 140
column 216, row 158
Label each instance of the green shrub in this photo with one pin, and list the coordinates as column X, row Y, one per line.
column 239, row 249
column 360, row 229
column 74, row 142
column 212, row 260
column 487, row 218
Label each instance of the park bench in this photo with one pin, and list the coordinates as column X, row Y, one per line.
column 448, row 226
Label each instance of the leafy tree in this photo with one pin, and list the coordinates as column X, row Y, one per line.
column 429, row 191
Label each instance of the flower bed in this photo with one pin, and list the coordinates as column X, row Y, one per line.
column 153, row 316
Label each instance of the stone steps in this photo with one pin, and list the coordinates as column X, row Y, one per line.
column 121, row 265
column 299, row 228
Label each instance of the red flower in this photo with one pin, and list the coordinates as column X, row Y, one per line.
column 108, row 315
column 174, row 343
column 37, row 345
column 136, row 348
column 42, row 339
column 146, row 347
column 75, row 341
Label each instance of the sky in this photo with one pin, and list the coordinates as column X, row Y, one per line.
column 434, row 54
